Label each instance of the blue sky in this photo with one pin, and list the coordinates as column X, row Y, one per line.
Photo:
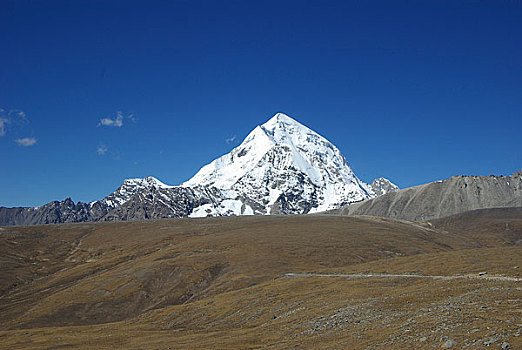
column 93, row 92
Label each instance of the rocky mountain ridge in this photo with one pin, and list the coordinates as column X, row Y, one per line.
column 443, row 198
column 282, row 167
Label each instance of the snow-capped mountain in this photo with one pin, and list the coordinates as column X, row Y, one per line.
column 281, row 167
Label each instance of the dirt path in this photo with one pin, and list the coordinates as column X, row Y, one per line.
column 382, row 275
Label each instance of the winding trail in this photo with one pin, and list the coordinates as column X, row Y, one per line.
column 383, row 275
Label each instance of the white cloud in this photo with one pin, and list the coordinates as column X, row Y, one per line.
column 26, row 141
column 15, row 118
column 101, row 150
column 117, row 122
column 19, row 113
column 3, row 123
column 231, row 139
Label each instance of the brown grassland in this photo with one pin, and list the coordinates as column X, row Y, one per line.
column 219, row 283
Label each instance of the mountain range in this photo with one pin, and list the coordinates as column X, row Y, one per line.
column 281, row 167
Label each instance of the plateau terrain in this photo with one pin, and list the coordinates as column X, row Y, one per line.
column 279, row 282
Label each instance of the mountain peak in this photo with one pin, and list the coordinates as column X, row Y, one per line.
column 284, row 130
column 283, row 124
column 280, row 118
column 145, row 182
column 283, row 166
column 382, row 186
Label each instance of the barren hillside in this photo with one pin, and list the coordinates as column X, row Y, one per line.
column 438, row 199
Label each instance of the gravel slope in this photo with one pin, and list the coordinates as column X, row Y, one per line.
column 438, row 199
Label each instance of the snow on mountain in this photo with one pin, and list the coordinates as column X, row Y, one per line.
column 284, row 167
column 382, row 186
column 281, row 167
column 129, row 188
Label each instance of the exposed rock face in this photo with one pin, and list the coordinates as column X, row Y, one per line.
column 282, row 167
column 53, row 212
column 158, row 203
column 443, row 198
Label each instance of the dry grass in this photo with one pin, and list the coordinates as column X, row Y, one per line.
column 217, row 283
